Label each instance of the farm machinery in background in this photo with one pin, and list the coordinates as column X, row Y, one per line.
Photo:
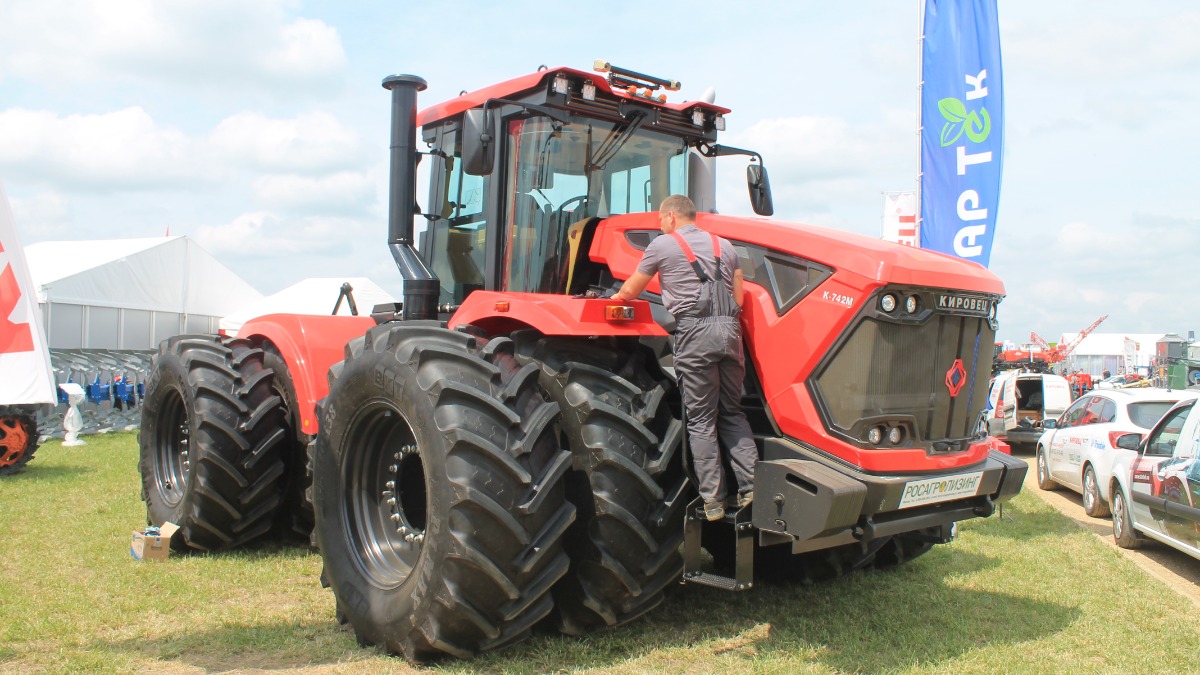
column 1043, row 358
column 499, row 449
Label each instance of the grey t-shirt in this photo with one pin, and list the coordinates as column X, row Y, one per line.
column 680, row 285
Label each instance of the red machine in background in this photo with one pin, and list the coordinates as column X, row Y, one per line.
column 498, row 449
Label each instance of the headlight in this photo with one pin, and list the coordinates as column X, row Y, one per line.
column 911, row 304
column 875, row 435
column 888, row 303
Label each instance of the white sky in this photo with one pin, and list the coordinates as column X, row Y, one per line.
column 260, row 128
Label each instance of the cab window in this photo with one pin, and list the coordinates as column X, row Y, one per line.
column 1165, row 436
column 455, row 243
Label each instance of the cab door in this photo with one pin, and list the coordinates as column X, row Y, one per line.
column 1063, row 455
column 1156, row 457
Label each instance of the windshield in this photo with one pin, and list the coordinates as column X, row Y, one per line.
column 558, row 176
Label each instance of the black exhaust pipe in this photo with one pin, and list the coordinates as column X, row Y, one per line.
column 421, row 286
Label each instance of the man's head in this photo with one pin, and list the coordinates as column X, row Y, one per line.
column 675, row 212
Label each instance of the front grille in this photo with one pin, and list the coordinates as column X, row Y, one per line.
column 897, row 370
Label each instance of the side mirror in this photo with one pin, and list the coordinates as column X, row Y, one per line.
column 1050, row 424
column 478, row 145
column 760, row 189
column 1129, row 441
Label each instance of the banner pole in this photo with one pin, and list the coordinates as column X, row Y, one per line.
column 920, row 112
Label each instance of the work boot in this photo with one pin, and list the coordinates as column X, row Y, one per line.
column 745, row 498
column 713, row 511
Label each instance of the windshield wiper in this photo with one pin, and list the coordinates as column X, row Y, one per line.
column 615, row 140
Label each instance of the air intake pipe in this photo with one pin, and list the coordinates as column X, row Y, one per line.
column 421, row 286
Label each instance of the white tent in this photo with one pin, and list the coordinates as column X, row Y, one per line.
column 131, row 293
column 312, row 296
column 1098, row 352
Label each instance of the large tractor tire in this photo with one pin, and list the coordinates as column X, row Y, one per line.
column 627, row 483
column 438, row 492
column 210, row 440
column 18, row 440
column 297, row 511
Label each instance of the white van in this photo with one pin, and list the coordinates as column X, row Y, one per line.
column 1019, row 402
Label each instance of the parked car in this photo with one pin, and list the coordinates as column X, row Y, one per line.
column 1155, row 492
column 1019, row 403
column 1077, row 450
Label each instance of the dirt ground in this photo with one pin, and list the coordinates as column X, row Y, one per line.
column 1176, row 569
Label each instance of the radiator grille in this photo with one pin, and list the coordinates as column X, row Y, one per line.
column 890, row 372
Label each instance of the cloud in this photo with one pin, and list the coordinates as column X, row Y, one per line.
column 225, row 43
column 48, row 214
column 342, row 192
column 266, row 235
column 309, row 143
column 1070, row 274
column 122, row 149
column 823, row 147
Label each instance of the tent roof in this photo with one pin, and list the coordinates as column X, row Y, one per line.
column 315, row 295
column 161, row 273
column 1111, row 344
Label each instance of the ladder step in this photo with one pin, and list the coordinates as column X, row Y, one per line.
column 714, row 580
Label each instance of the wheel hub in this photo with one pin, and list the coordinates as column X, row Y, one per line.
column 385, row 501
column 404, row 509
column 13, row 440
column 173, row 445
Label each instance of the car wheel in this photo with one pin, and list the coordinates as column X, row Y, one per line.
column 1043, row 473
column 1093, row 502
column 1123, row 532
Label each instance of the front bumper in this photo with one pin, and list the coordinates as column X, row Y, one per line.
column 813, row 503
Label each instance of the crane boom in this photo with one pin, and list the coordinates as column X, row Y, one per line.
column 1061, row 352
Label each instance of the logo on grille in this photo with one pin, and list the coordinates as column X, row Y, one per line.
column 956, row 377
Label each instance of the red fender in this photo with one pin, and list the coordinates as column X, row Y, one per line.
column 310, row 345
column 553, row 314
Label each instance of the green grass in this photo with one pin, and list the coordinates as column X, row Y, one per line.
column 1034, row 594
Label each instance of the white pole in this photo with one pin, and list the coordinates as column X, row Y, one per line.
column 920, row 110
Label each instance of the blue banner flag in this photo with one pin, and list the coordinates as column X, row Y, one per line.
column 962, row 134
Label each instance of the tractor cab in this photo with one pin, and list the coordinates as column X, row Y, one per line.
column 522, row 173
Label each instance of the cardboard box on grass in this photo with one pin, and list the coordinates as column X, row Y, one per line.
column 152, row 547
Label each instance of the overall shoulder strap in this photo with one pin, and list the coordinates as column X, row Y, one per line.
column 691, row 256
column 717, row 253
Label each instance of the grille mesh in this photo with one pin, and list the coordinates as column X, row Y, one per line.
column 899, row 370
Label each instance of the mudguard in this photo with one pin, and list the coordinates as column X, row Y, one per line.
column 310, row 345
column 499, row 313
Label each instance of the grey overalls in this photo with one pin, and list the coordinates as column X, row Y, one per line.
column 710, row 364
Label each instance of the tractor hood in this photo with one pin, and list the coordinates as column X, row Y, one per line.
column 874, row 259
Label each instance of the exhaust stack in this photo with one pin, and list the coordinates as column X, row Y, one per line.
column 421, row 286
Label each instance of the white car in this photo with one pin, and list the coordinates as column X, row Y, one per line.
column 1156, row 492
column 1079, row 449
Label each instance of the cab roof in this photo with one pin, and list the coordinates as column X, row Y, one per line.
column 512, row 88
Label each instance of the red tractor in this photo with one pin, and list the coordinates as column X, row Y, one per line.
column 499, row 449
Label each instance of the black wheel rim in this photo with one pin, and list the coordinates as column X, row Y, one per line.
column 385, row 495
column 172, row 460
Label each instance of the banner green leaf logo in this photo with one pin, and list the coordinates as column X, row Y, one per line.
column 975, row 124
